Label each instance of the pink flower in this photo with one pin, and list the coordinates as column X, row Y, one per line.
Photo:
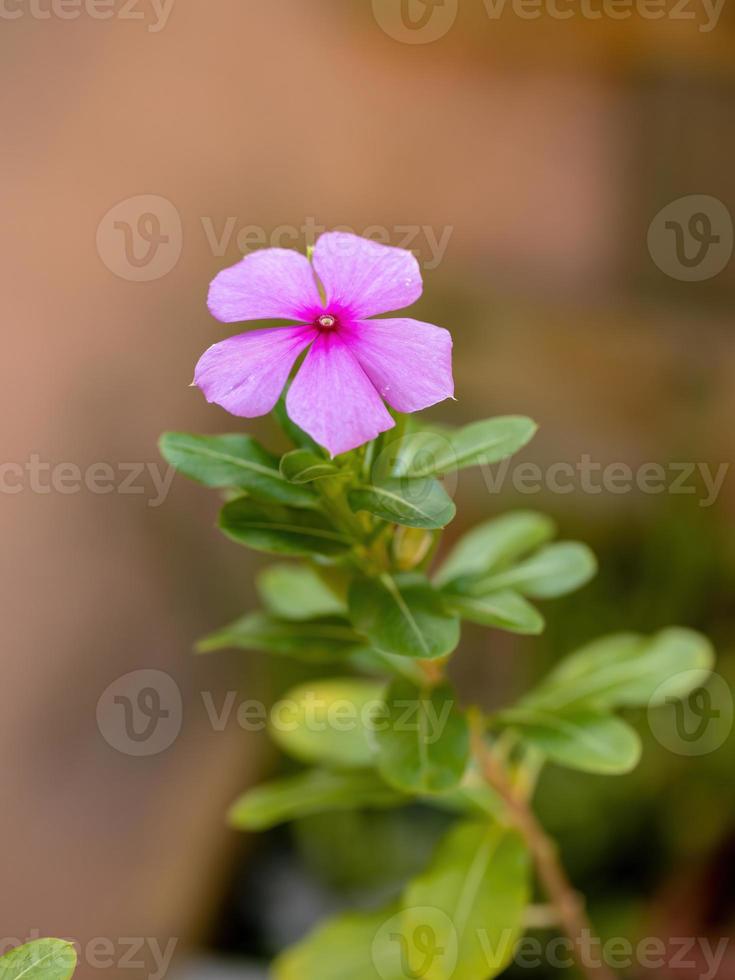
column 353, row 362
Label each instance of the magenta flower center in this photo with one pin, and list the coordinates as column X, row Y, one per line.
column 327, row 322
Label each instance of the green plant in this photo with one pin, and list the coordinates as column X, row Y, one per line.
column 43, row 959
column 364, row 593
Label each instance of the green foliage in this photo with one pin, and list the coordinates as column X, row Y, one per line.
column 304, row 466
column 367, row 526
column 314, row 791
column 496, row 544
column 281, row 530
column 480, row 880
column 423, row 738
column 403, row 616
column 430, row 453
column 340, row 949
column 232, row 461
column 314, row 641
column 43, row 959
column 413, row 503
column 568, row 717
column 581, row 738
column 627, row 670
column 504, row 610
column 460, row 920
column 297, row 592
column 552, row 572
column 328, row 722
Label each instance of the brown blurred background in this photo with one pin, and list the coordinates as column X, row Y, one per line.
column 524, row 159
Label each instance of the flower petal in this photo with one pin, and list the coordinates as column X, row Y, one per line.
column 409, row 362
column 246, row 374
column 273, row 283
column 364, row 278
column 333, row 400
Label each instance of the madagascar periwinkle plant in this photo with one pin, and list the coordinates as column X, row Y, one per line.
column 359, row 504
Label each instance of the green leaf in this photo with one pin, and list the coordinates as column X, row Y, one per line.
column 503, row 610
column 281, row 531
column 315, row 791
column 550, row 573
column 479, row 444
column 329, row 722
column 495, row 544
column 470, row 903
column 232, row 461
column 404, row 616
column 314, row 641
column 579, row 738
column 304, row 466
column 297, row 592
column 627, row 670
column 423, row 739
column 43, row 959
column 342, row 948
column 413, row 503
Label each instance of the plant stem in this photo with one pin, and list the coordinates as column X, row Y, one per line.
column 567, row 903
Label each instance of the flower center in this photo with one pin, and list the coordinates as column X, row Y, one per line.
column 327, row 321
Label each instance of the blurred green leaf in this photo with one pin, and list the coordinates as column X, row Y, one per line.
column 315, row 791
column 628, row 669
column 314, row 641
column 297, row 592
column 479, row 883
column 329, row 722
column 232, row 461
column 43, row 959
column 412, row 503
column 495, row 544
column 552, row 572
column 481, row 443
column 281, row 531
column 503, row 610
column 404, row 616
column 304, row 466
column 423, row 740
column 591, row 741
column 340, row 949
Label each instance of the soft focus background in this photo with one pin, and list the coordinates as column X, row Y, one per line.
column 524, row 160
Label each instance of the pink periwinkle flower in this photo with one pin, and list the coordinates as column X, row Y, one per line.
column 353, row 362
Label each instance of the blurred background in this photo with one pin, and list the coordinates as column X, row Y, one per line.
column 564, row 174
